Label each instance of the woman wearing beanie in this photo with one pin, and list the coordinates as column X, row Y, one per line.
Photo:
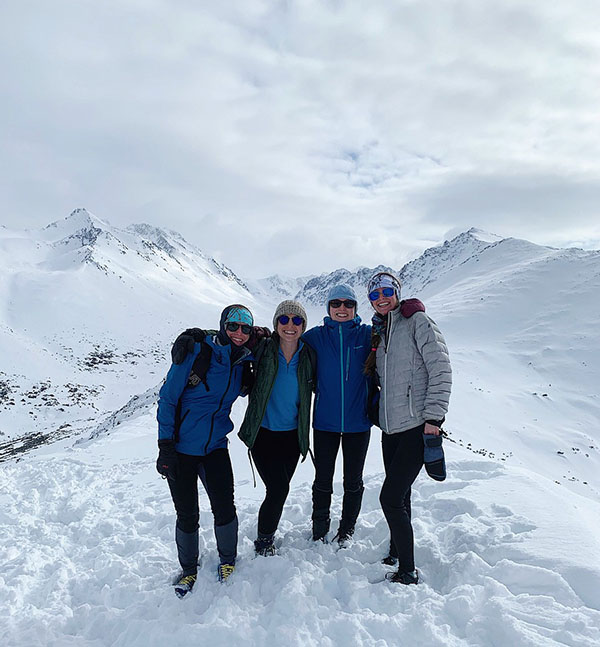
column 193, row 422
column 342, row 345
column 275, row 427
column 410, row 359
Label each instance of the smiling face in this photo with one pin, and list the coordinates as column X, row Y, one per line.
column 342, row 312
column 237, row 336
column 289, row 332
column 384, row 304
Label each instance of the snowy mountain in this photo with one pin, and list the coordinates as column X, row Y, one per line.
column 87, row 312
column 278, row 287
column 414, row 276
column 505, row 546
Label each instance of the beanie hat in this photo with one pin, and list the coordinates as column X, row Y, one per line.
column 235, row 313
column 239, row 314
column 341, row 291
column 384, row 280
column 289, row 307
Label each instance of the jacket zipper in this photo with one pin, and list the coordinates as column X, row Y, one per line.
column 342, row 370
column 212, row 419
column 385, row 380
column 410, row 401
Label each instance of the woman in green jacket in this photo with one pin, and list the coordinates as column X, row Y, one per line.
column 276, row 424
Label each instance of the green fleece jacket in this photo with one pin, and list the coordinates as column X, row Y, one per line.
column 266, row 371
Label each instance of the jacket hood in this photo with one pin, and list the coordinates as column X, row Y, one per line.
column 222, row 335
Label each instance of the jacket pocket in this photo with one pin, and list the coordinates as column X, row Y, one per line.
column 411, row 410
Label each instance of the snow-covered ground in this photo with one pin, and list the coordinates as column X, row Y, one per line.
column 507, row 547
column 88, row 553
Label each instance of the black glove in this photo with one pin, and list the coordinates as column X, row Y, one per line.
column 184, row 344
column 166, row 464
column 257, row 334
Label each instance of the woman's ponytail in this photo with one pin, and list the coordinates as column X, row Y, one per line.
column 370, row 362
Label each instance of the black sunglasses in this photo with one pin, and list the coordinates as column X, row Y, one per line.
column 284, row 319
column 337, row 303
column 246, row 329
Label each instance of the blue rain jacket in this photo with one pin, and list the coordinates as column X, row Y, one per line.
column 341, row 396
column 204, row 416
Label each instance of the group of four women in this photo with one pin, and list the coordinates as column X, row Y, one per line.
column 395, row 372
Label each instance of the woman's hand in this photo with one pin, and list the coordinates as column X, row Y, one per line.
column 431, row 429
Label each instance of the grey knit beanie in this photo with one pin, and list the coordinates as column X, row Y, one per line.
column 292, row 308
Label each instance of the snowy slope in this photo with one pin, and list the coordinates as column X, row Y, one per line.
column 87, row 545
column 87, row 313
column 506, row 546
column 521, row 323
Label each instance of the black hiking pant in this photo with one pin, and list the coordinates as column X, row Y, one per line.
column 276, row 455
column 214, row 470
column 402, row 459
column 354, row 452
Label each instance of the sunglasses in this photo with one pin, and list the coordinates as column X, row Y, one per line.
column 386, row 292
column 246, row 329
column 338, row 303
column 284, row 319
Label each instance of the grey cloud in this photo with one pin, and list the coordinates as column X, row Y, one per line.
column 351, row 128
column 519, row 203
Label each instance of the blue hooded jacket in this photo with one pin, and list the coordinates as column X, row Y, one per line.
column 205, row 420
column 341, row 397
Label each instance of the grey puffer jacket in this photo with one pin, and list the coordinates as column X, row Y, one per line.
column 414, row 371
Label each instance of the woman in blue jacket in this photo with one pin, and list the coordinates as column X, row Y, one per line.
column 342, row 344
column 194, row 409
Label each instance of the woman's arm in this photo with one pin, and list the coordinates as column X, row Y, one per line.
column 169, row 395
column 432, row 346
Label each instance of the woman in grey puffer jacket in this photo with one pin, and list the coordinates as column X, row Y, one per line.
column 410, row 359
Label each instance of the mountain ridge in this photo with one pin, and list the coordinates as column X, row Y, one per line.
column 77, row 346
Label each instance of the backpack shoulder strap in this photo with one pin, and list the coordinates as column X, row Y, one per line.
column 200, row 367
column 260, row 351
column 250, row 368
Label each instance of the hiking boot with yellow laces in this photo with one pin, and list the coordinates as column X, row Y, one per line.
column 184, row 585
column 224, row 571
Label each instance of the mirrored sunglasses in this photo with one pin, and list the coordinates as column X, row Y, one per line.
column 284, row 319
column 246, row 329
column 337, row 303
column 386, row 292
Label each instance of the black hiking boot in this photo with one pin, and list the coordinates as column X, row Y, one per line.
column 411, row 577
column 264, row 546
column 320, row 528
column 184, row 585
column 343, row 537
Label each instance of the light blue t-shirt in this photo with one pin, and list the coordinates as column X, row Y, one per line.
column 282, row 408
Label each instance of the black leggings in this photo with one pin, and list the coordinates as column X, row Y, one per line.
column 276, row 455
column 216, row 475
column 402, row 459
column 354, row 451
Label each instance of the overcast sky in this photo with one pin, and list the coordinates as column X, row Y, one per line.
column 302, row 136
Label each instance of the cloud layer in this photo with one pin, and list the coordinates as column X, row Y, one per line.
column 296, row 137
